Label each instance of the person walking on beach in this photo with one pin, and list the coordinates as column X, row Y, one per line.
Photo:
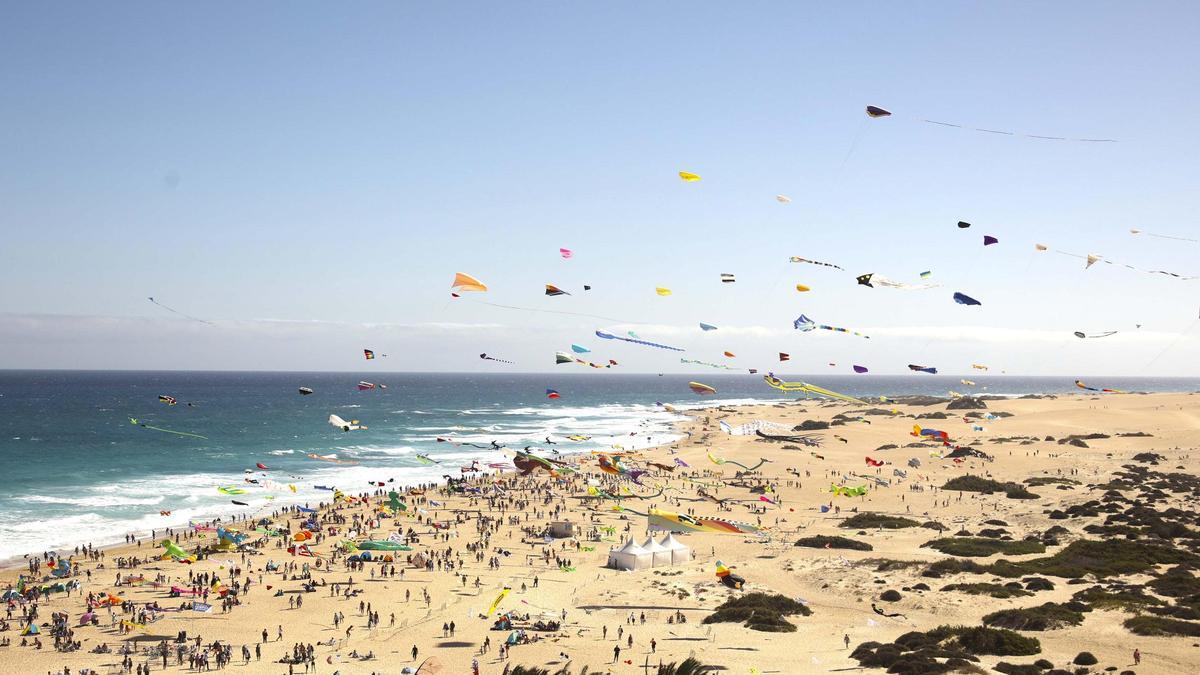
column 616, row 653
column 846, row 639
column 414, row 652
column 1137, row 657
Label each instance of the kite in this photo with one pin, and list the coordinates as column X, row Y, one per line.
column 779, row 384
column 798, row 259
column 186, row 316
column 720, row 460
column 579, row 349
column 1081, row 385
column 172, row 550
column 364, row 386
column 344, row 425
column 566, row 252
column 1163, row 236
column 875, row 462
column 729, row 578
column 702, row 389
column 239, row 503
column 688, row 177
column 969, row 383
column 1091, row 259
column 610, row 336
column 305, row 391
column 727, row 279
column 784, row 357
column 425, row 459
column 550, row 393
column 979, row 366
column 963, row 299
column 942, row 436
column 262, row 466
column 578, row 438
column 923, row 369
column 859, row 369
column 962, row 224
column 552, row 290
column 485, row 357
column 368, row 354
column 563, row 357
column 662, row 291
column 134, row 422
column 730, row 355
column 802, row 288
column 169, row 400
column 707, row 327
column 680, row 522
column 988, row 240
column 803, row 323
column 527, row 464
column 612, row 465
column 926, row 274
column 1081, row 334
column 783, row 199
column 586, row 287
column 496, row 603
column 875, row 112
column 846, row 491
column 719, row 366
column 466, row 282
column 872, row 279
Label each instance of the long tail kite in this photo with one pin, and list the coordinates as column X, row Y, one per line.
column 1081, row 385
column 797, row 259
column 875, row 112
column 485, row 357
column 779, row 384
column 166, row 431
column 175, row 311
column 811, row 440
column 1080, row 334
column 719, row 366
column 609, row 336
column 847, row 491
column 1163, row 236
column 681, row 522
column 721, row 460
column 803, row 323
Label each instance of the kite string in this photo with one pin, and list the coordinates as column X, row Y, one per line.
column 1173, row 343
column 555, row 311
column 169, row 309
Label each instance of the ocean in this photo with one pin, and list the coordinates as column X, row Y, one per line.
column 76, row 470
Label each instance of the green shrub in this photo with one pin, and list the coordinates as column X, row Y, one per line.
column 866, row 520
column 1157, row 625
column 975, row 547
column 1085, row 659
column 991, row 590
column 822, row 541
column 1048, row 616
column 759, row 611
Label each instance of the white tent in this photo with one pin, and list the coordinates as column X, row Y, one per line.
column 679, row 552
column 660, row 556
column 630, row 557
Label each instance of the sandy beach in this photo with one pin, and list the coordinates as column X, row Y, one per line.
column 472, row 545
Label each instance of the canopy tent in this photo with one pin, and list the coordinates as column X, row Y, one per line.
column 659, row 556
column 680, row 553
column 630, row 557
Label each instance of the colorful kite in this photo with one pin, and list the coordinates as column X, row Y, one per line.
column 612, row 465
column 921, row 432
column 847, row 491
column 728, row 578
column 368, row 354
column 779, row 384
column 707, row 327
column 783, row 199
column 662, row 291
column 979, row 366
column 688, row 177
column 1081, row 385
column 798, row 259
column 552, row 290
column 784, row 357
column 579, row 349
column 305, row 391
column 964, row 299
column 988, row 240
column 859, row 369
column 875, row 462
column 720, row 460
column 496, row 603
column 803, row 323
column 802, row 288
column 565, row 252
column 680, row 522
column 610, row 336
column 169, row 400
column 551, row 393
column 466, row 282
column 702, row 389
column 1163, row 236
column 923, row 369
column 719, row 366
column 365, row 386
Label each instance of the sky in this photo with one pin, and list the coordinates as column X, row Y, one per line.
column 307, row 179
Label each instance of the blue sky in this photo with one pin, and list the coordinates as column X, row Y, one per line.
column 309, row 178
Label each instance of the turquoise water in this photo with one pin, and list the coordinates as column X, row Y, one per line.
column 77, row 471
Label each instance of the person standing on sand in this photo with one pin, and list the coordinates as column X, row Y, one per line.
column 414, row 652
column 616, row 653
column 1137, row 657
column 846, row 639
